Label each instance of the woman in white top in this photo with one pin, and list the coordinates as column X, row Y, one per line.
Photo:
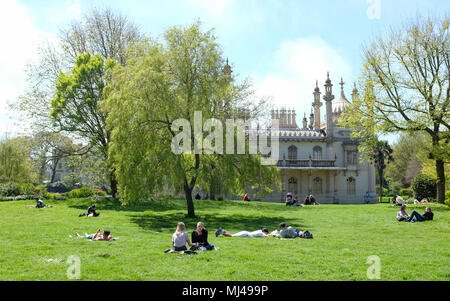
column 180, row 238
column 402, row 215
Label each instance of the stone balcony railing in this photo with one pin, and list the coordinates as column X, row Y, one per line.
column 307, row 163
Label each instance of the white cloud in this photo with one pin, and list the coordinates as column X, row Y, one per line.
column 21, row 40
column 73, row 9
column 214, row 8
column 296, row 67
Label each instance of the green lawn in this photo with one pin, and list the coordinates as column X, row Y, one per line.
column 35, row 243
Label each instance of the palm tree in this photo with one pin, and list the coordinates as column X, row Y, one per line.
column 381, row 152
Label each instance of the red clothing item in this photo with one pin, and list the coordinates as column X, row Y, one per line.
column 246, row 198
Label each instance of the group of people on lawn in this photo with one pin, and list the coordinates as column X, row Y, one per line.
column 293, row 201
column 403, row 216
column 199, row 239
column 200, row 236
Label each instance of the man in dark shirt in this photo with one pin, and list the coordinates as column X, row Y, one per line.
column 91, row 211
column 416, row 217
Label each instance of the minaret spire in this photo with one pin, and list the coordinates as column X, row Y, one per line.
column 316, row 105
column 227, row 69
column 328, row 97
column 342, row 88
column 354, row 92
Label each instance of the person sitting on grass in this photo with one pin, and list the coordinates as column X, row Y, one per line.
column 402, row 215
column 416, row 217
column 91, row 211
column 105, row 235
column 39, row 204
column 258, row 233
column 312, row 200
column 180, row 238
column 200, row 237
column 306, row 201
column 289, row 199
column 246, row 199
column 296, row 203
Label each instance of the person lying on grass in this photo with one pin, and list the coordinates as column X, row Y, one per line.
column 399, row 201
column 402, row 215
column 287, row 232
column 416, row 217
column 39, row 204
column 258, row 233
column 200, row 238
column 105, row 235
column 90, row 212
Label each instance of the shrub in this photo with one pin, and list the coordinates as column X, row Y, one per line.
column 409, row 201
column 41, row 190
column 81, row 193
column 447, row 194
column 57, row 187
column 26, row 189
column 423, row 187
column 9, row 189
column 100, row 192
column 447, row 202
column 395, row 188
column 385, row 191
column 407, row 192
column 56, row 196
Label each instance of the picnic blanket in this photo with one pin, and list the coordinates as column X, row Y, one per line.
column 187, row 252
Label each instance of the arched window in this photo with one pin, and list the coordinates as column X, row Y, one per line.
column 351, row 186
column 292, row 152
column 317, row 153
column 292, row 185
column 317, row 185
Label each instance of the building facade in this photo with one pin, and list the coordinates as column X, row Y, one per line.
column 320, row 157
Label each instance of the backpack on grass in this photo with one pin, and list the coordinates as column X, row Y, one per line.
column 305, row 234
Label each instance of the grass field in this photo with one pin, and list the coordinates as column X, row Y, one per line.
column 35, row 243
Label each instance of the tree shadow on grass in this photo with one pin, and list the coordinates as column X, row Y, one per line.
column 162, row 205
column 232, row 222
column 116, row 205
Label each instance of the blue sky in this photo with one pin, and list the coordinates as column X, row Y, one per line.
column 283, row 45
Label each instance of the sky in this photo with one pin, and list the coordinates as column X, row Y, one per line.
column 283, row 46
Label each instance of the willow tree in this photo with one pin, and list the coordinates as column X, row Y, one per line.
column 181, row 78
column 15, row 161
column 408, row 70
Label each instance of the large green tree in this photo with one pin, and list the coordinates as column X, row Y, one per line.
column 76, row 107
column 164, row 82
column 408, row 70
column 104, row 32
column 406, row 164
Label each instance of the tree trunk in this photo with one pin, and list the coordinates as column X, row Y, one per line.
column 212, row 195
column 440, row 187
column 380, row 174
column 113, row 183
column 190, row 202
column 54, row 167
